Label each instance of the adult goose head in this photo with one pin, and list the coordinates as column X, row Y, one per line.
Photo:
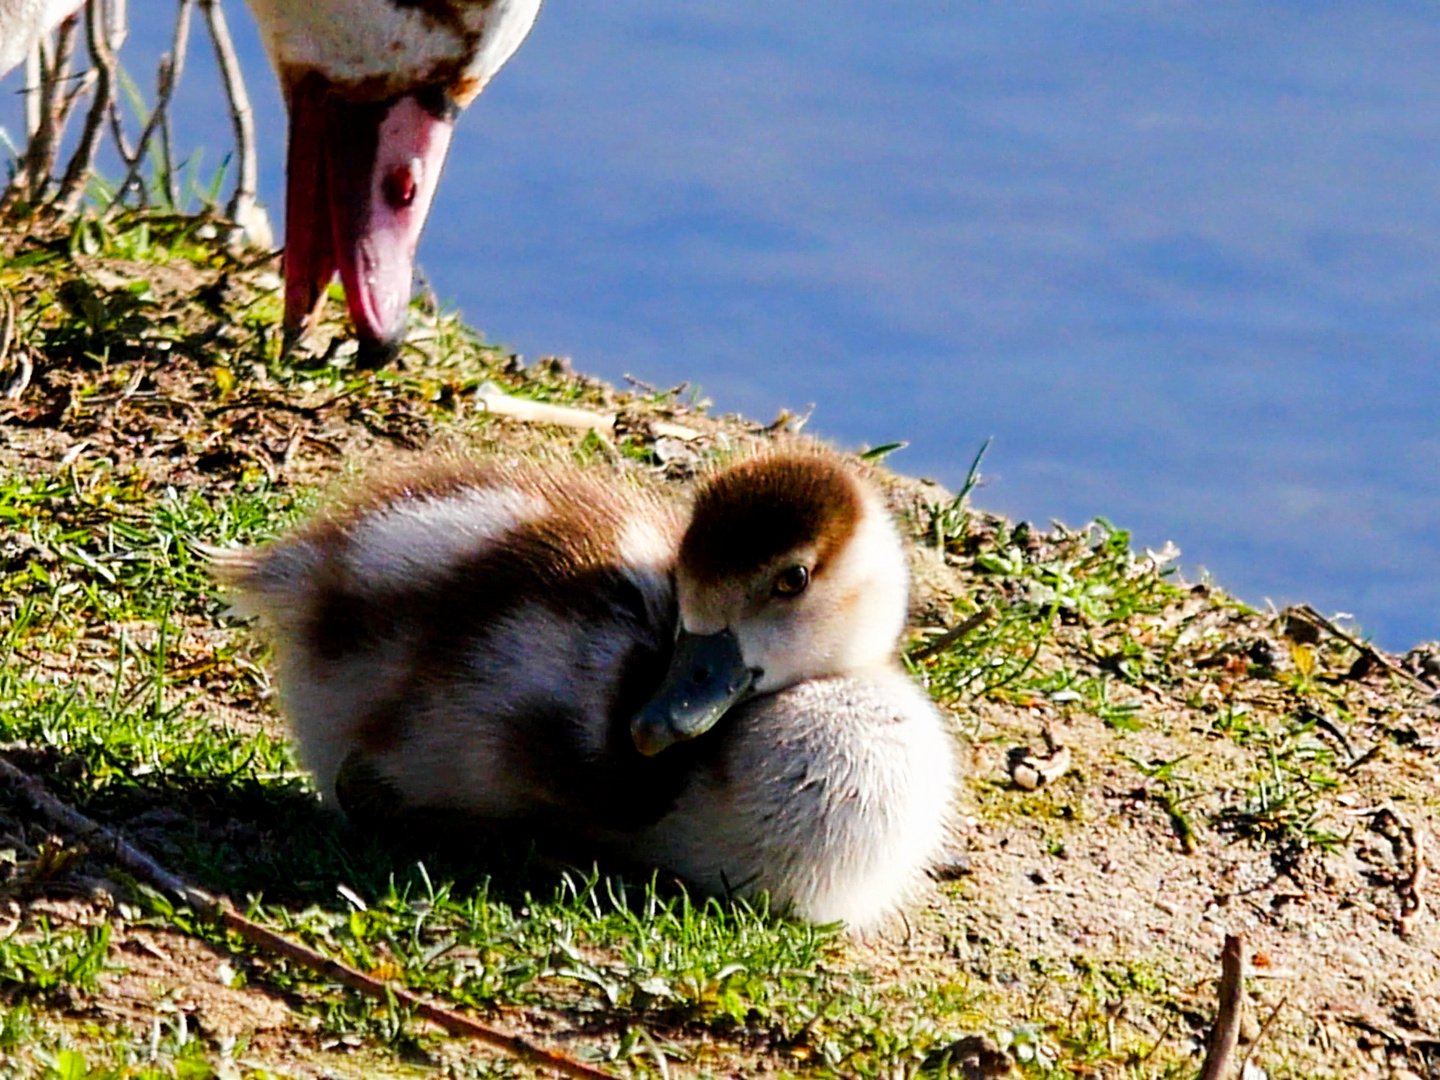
column 373, row 87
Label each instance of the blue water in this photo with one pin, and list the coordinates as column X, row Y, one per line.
column 1181, row 260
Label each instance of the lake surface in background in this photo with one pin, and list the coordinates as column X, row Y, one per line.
column 1181, row 261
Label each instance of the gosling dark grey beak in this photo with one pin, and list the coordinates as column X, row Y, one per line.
column 707, row 676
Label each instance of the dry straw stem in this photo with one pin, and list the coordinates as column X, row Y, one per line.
column 132, row 859
column 496, row 401
column 954, row 634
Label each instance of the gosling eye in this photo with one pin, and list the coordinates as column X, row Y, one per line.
column 791, row 581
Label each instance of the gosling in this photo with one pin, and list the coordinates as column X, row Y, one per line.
column 824, row 776
column 537, row 649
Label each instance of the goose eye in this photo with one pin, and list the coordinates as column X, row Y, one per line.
column 791, row 581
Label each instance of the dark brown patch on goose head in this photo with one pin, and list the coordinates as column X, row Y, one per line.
column 755, row 512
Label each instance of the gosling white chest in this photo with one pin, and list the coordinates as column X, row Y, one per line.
column 831, row 796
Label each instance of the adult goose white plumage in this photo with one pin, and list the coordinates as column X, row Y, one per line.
column 24, row 22
column 373, row 88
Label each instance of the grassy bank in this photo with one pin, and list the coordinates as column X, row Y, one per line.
column 1231, row 770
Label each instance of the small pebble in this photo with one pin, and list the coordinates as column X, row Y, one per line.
column 1354, row 957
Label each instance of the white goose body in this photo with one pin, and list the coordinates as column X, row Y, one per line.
column 24, row 22
column 378, row 48
column 828, row 783
column 474, row 639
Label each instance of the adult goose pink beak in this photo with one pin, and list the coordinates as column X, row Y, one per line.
column 374, row 87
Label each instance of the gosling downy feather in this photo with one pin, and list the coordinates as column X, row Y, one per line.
column 473, row 638
column 826, row 776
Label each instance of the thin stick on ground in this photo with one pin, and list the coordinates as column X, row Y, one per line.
column 1314, row 617
column 108, row 842
column 15, row 386
column 954, row 634
column 1260, row 1035
column 1226, row 1033
column 7, row 324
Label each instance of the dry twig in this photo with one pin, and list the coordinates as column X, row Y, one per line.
column 954, row 634
column 46, row 112
column 52, row 94
column 103, row 66
column 496, row 401
column 1226, row 1032
column 10, row 345
column 31, row 94
column 172, row 65
column 243, row 208
column 1259, row 1035
column 1310, row 615
column 7, row 324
